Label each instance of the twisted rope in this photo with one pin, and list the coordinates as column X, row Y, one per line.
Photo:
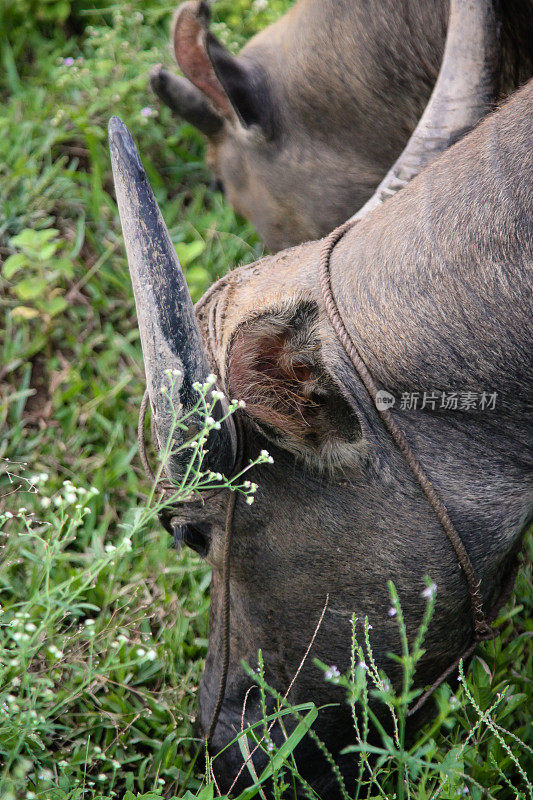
column 482, row 627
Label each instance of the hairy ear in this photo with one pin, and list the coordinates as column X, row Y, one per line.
column 235, row 87
column 275, row 366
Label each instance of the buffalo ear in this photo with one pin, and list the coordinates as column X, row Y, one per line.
column 185, row 100
column 235, row 87
column 275, row 366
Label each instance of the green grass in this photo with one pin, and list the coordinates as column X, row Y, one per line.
column 91, row 710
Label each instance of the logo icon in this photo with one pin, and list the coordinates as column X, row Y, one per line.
column 384, row 400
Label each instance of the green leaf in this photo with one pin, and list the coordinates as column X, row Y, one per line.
column 480, row 672
column 188, row 251
column 206, row 793
column 53, row 306
column 511, row 703
column 12, row 264
column 48, row 250
column 33, row 241
column 30, row 288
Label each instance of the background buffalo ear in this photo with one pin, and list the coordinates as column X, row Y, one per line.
column 235, row 87
column 185, row 100
column 275, row 366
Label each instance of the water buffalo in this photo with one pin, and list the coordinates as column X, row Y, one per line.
column 433, row 290
column 303, row 124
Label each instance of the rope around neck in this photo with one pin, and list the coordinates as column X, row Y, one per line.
column 482, row 627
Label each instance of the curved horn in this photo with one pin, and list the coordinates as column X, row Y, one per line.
column 464, row 92
column 170, row 335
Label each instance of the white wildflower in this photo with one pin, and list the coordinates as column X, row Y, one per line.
column 429, row 591
column 392, row 611
column 332, row 674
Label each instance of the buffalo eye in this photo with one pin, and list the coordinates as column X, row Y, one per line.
column 196, row 536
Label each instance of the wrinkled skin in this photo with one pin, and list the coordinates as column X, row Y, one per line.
column 316, row 108
column 433, row 288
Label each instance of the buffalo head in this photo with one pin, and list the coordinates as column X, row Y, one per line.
column 304, row 122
